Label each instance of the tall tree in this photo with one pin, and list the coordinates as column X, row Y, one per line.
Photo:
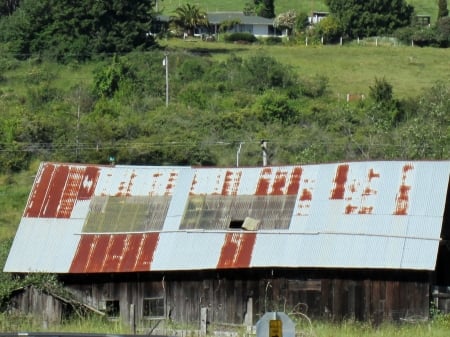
column 362, row 18
column 442, row 9
column 189, row 17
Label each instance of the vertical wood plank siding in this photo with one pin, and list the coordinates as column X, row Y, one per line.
column 226, row 299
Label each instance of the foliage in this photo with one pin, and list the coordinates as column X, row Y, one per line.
column 108, row 79
column 442, row 9
column 240, row 37
column 328, row 29
column 227, row 25
column 265, row 8
column 286, row 20
column 189, row 17
column 220, row 93
column 443, row 31
column 275, row 107
column 361, row 18
column 264, row 72
column 272, row 40
column 63, row 31
column 8, row 7
column 381, row 91
column 249, row 8
column 302, row 21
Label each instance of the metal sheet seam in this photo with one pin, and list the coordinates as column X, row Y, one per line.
column 271, row 233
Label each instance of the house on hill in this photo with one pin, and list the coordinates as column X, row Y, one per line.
column 148, row 245
column 256, row 25
column 235, row 22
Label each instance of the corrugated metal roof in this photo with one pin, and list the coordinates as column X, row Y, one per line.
column 220, row 17
column 95, row 219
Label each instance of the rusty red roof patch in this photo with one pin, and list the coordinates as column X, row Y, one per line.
column 402, row 198
column 102, row 253
column 58, row 188
column 339, row 182
column 237, row 250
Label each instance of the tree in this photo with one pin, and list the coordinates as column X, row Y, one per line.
column 265, row 8
column 62, row 29
column 189, row 17
column 443, row 10
column 443, row 31
column 7, row 7
column 362, row 18
column 286, row 20
column 329, row 29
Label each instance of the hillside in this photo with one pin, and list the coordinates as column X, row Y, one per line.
column 423, row 7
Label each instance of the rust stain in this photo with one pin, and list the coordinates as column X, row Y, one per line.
column 279, row 183
column 121, row 189
column 262, row 188
column 365, row 210
column 237, row 250
column 402, row 197
column 226, row 183
column 306, row 195
column 294, row 181
column 368, row 191
column 124, row 189
column 372, row 174
column 171, row 183
column 349, row 209
column 58, row 189
column 339, row 182
column 101, row 253
column 194, row 182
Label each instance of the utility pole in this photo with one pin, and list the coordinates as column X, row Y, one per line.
column 166, row 64
column 264, row 152
column 238, row 153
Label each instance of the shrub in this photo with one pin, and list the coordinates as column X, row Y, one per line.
column 271, row 40
column 240, row 37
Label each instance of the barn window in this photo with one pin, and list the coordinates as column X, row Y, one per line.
column 153, row 307
column 112, row 308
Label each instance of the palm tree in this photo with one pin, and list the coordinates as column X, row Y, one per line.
column 188, row 17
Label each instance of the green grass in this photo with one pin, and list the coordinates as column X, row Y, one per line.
column 350, row 68
column 14, row 191
column 424, row 7
column 96, row 324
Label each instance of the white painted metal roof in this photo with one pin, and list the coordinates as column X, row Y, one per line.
column 370, row 215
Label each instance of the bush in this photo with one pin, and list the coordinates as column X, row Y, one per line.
column 240, row 37
column 271, row 40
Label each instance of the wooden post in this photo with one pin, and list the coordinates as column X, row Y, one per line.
column 203, row 321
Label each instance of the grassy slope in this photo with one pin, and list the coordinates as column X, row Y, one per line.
column 427, row 7
column 350, row 69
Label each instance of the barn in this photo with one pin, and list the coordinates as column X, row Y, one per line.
column 150, row 245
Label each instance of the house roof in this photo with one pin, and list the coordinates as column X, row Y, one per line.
column 219, row 17
column 95, row 219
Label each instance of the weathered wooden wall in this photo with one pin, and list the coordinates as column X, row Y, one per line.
column 31, row 301
column 226, row 297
